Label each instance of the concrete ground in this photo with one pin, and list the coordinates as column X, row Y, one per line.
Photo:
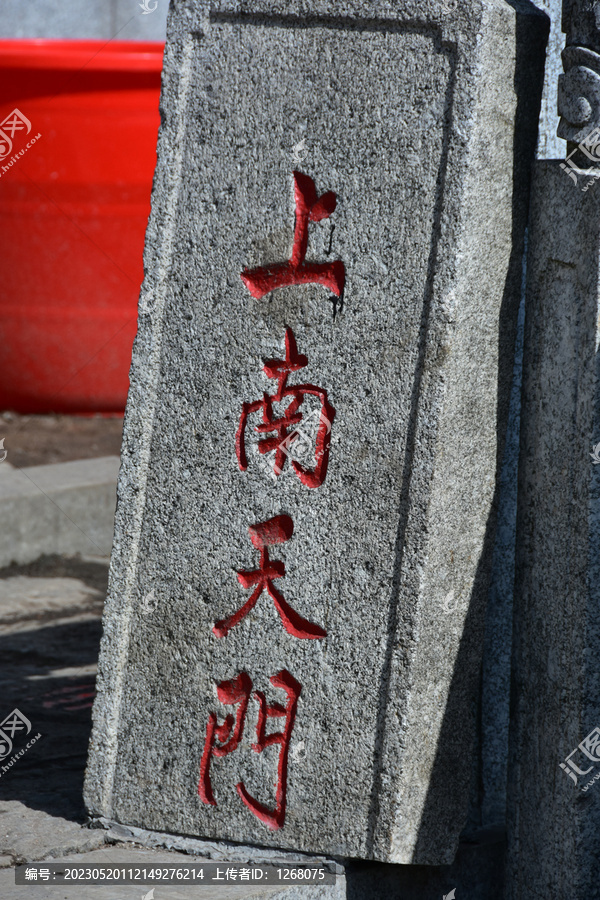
column 50, row 615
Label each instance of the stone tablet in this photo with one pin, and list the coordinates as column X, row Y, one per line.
column 293, row 628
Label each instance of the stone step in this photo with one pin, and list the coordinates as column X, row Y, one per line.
column 61, row 508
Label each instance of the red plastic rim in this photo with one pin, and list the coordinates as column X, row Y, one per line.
column 94, row 56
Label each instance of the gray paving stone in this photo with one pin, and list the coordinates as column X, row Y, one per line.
column 27, row 835
column 62, row 508
column 422, row 122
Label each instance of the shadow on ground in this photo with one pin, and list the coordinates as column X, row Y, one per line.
column 48, row 664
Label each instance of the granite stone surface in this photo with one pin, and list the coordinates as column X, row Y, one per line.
column 550, row 146
column 421, row 119
column 554, row 802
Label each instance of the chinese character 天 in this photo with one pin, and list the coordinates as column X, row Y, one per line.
column 264, row 534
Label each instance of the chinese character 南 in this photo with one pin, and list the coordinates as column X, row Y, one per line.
column 223, row 739
column 264, row 534
column 284, row 426
column 309, row 208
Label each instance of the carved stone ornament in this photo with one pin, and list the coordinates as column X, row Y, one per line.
column 579, row 87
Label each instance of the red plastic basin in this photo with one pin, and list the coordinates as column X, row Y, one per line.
column 74, row 206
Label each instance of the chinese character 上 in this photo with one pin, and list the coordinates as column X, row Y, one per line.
column 309, row 208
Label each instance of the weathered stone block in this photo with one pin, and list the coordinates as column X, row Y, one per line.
column 409, row 122
column 554, row 802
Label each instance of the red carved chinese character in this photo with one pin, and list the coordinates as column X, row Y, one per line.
column 238, row 691
column 229, row 692
column 274, row 819
column 274, row 531
column 283, row 426
column 309, row 208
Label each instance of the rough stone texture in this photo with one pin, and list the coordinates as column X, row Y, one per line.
column 495, row 675
column 550, row 146
column 222, row 851
column 477, row 869
column 416, row 119
column 495, row 689
column 579, row 87
column 62, row 508
column 556, row 664
column 213, row 850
